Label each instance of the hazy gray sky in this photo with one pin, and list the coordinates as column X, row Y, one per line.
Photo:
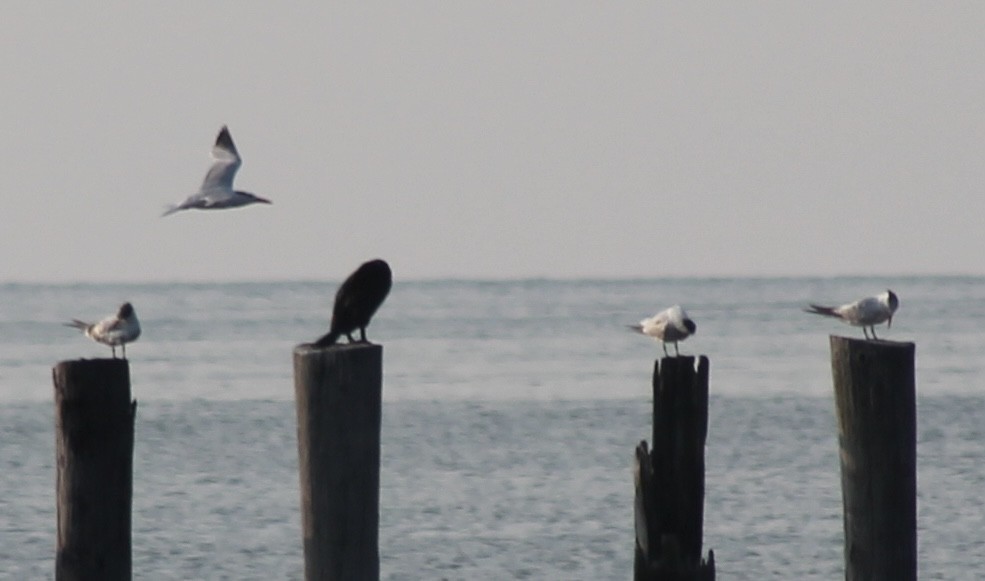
column 494, row 139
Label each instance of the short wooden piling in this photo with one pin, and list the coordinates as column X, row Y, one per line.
column 94, row 420
column 339, row 400
column 670, row 479
column 875, row 397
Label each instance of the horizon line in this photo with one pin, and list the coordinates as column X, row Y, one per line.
column 493, row 279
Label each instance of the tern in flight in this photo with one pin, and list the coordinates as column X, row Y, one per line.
column 216, row 192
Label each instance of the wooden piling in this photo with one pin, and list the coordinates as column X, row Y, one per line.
column 670, row 478
column 875, row 397
column 339, row 399
column 94, row 420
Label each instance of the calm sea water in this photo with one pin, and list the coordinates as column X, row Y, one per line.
column 511, row 413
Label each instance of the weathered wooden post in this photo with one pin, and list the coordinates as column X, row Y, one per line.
column 94, row 418
column 670, row 479
column 875, row 396
column 339, row 400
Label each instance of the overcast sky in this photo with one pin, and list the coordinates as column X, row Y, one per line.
column 494, row 139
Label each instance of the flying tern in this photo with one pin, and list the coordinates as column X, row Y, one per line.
column 217, row 190
column 118, row 329
column 357, row 300
column 865, row 313
column 668, row 326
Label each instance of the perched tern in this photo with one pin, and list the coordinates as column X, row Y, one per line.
column 118, row 329
column 668, row 326
column 865, row 313
column 357, row 300
column 217, row 190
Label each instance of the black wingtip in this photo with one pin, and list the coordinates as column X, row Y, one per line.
column 821, row 310
column 224, row 139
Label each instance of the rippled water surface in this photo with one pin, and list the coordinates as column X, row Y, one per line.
column 511, row 411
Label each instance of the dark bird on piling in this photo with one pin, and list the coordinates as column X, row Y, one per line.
column 118, row 329
column 216, row 192
column 357, row 300
column 865, row 313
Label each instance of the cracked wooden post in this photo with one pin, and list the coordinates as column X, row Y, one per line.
column 339, row 402
column 670, row 478
column 875, row 397
column 94, row 419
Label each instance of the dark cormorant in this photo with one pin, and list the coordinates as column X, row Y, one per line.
column 356, row 301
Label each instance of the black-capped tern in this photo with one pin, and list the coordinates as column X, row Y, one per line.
column 865, row 313
column 668, row 326
column 118, row 329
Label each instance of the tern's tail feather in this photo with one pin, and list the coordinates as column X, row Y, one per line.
column 77, row 324
column 328, row 339
column 171, row 209
column 822, row 310
column 637, row 328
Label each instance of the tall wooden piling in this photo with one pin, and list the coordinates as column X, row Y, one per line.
column 94, row 419
column 875, row 397
column 339, row 399
column 670, row 478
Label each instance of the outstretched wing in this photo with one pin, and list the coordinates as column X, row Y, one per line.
column 227, row 162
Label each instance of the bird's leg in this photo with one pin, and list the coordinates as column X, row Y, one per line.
column 349, row 335
column 866, row 331
column 362, row 335
column 874, row 332
column 676, row 350
column 665, row 349
column 124, row 347
column 113, row 347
